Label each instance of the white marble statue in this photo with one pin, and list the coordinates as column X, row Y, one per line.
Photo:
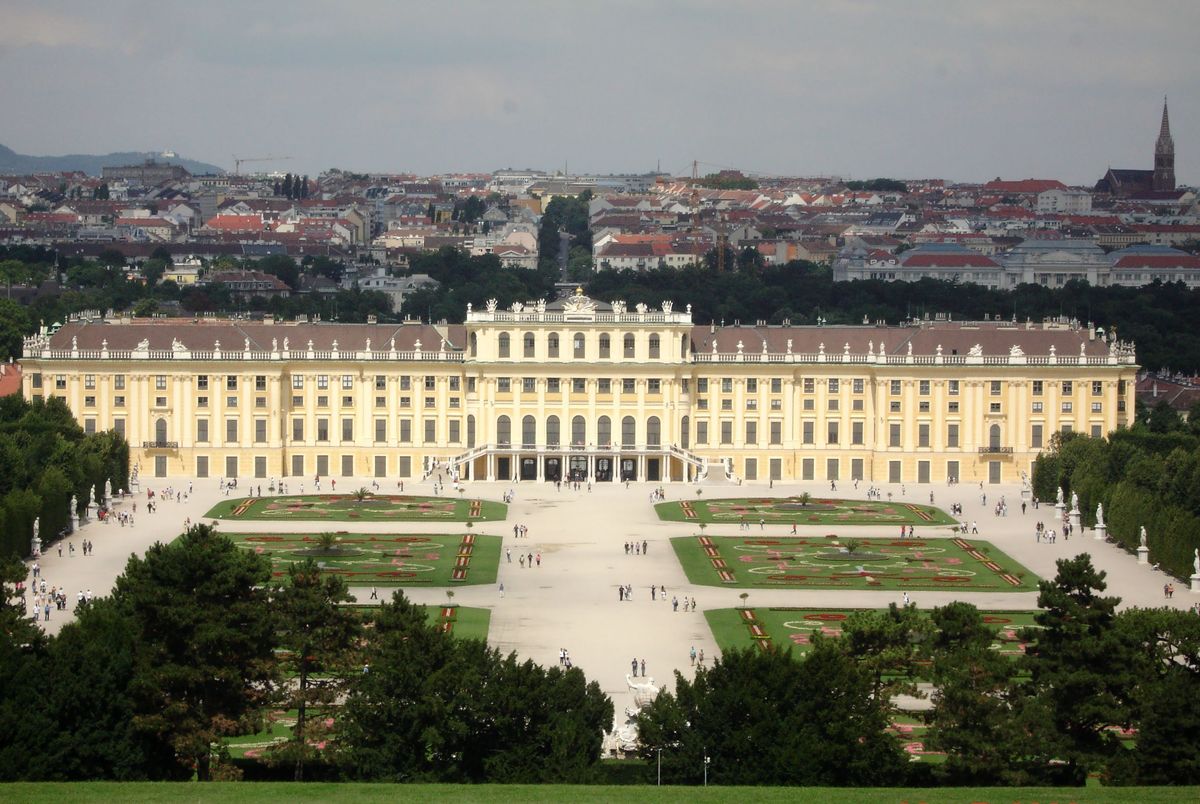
column 1099, row 515
column 37, row 527
column 1142, row 536
column 107, row 490
column 975, row 351
column 1059, row 500
column 646, row 688
column 1074, row 501
column 1196, row 561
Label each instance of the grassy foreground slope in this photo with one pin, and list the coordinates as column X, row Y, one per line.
column 84, row 792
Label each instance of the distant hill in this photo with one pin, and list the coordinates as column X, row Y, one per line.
column 13, row 163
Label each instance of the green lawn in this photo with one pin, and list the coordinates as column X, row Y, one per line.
column 828, row 563
column 386, row 559
column 235, row 792
column 374, row 508
column 791, row 510
column 794, row 628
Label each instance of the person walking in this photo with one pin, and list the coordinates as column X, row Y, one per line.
column 693, row 655
column 633, row 665
column 643, row 668
column 374, row 593
column 501, row 590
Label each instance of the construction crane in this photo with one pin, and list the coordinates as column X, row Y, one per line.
column 237, row 162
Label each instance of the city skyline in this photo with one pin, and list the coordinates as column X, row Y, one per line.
column 965, row 93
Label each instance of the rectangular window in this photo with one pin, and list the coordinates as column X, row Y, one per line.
column 1097, row 388
column 202, row 430
column 118, row 381
column 777, row 385
column 404, row 466
column 922, row 471
column 809, row 404
column 993, row 407
column 751, row 432
column 894, row 434
column 297, row 402
column 856, row 433
column 1035, row 439
column 406, row 401
column 381, row 401
column 347, row 382
column 858, row 386
column 751, row 386
column 1037, row 387
column 809, row 385
column 60, row 381
column 119, row 427
column 832, row 469
column 406, row 383
column 1097, row 407
column 701, row 432
column 430, row 431
column 995, row 387
column 347, row 401
column 380, row 382
column 231, row 401
column 297, row 382
column 347, row 466
column 119, row 401
column 322, row 429
column 503, row 385
column 297, row 430
column 260, row 401
column 952, row 387
column 528, row 385
column 552, row 385
column 160, row 382
column 455, row 431
column 952, row 407
column 380, row 466
column 201, row 466
column 923, row 388
column 895, row 388
column 1096, row 431
column 322, row 401
column 260, row 431
column 406, row 431
column 894, row 406
column 1068, row 387
column 231, row 383
column 833, row 404
column 1067, row 407
column 260, row 382
column 702, row 385
column 347, row 429
column 923, row 406
column 806, row 431
column 835, row 386
column 776, row 432
column 322, row 382
column 160, row 401
column 1037, row 407
column 726, row 385
column 455, row 385
column 726, row 432
column 807, row 468
column 726, row 404
column 89, row 380
column 777, row 404
column 923, row 434
column 231, row 431
column 952, row 435
column 654, row 386
column 832, row 433
column 627, row 386
column 578, row 386
column 604, row 386
column 752, row 469
column 380, row 430
column 89, row 401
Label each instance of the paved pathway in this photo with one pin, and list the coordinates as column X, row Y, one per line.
column 571, row 600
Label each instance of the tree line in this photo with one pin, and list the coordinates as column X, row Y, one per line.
column 1091, row 681
column 45, row 460
column 1145, row 476
column 198, row 643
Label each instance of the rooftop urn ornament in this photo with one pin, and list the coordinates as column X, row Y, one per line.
column 310, row 344
column 739, row 347
column 417, row 346
column 689, row 309
column 468, row 308
column 821, row 348
column 939, row 350
column 846, row 348
column 1053, row 350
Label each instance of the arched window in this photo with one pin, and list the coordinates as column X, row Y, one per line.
column 605, row 347
column 503, row 344
column 578, row 342
column 654, row 346
column 160, row 430
column 578, row 431
column 629, row 345
column 604, row 432
column 528, row 432
column 994, row 436
column 474, row 345
column 470, row 431
column 653, row 432
column 503, row 432
column 628, row 432
column 685, row 435
column 528, row 344
column 552, row 434
column 552, row 342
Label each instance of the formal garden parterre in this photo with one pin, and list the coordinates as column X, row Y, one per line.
column 795, row 628
column 833, row 562
column 802, row 510
column 359, row 507
column 383, row 559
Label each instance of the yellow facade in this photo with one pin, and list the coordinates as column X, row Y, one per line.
column 585, row 389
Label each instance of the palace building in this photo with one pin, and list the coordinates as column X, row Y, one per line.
column 584, row 389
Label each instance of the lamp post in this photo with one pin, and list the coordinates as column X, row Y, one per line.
column 707, row 759
column 660, row 767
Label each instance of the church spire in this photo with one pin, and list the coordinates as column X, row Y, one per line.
column 1164, row 155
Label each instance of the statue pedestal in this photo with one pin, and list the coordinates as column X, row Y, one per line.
column 1101, row 532
column 1058, row 510
column 1075, row 523
column 1196, row 584
column 1143, row 555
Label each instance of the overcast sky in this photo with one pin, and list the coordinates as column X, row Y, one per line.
column 960, row 90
